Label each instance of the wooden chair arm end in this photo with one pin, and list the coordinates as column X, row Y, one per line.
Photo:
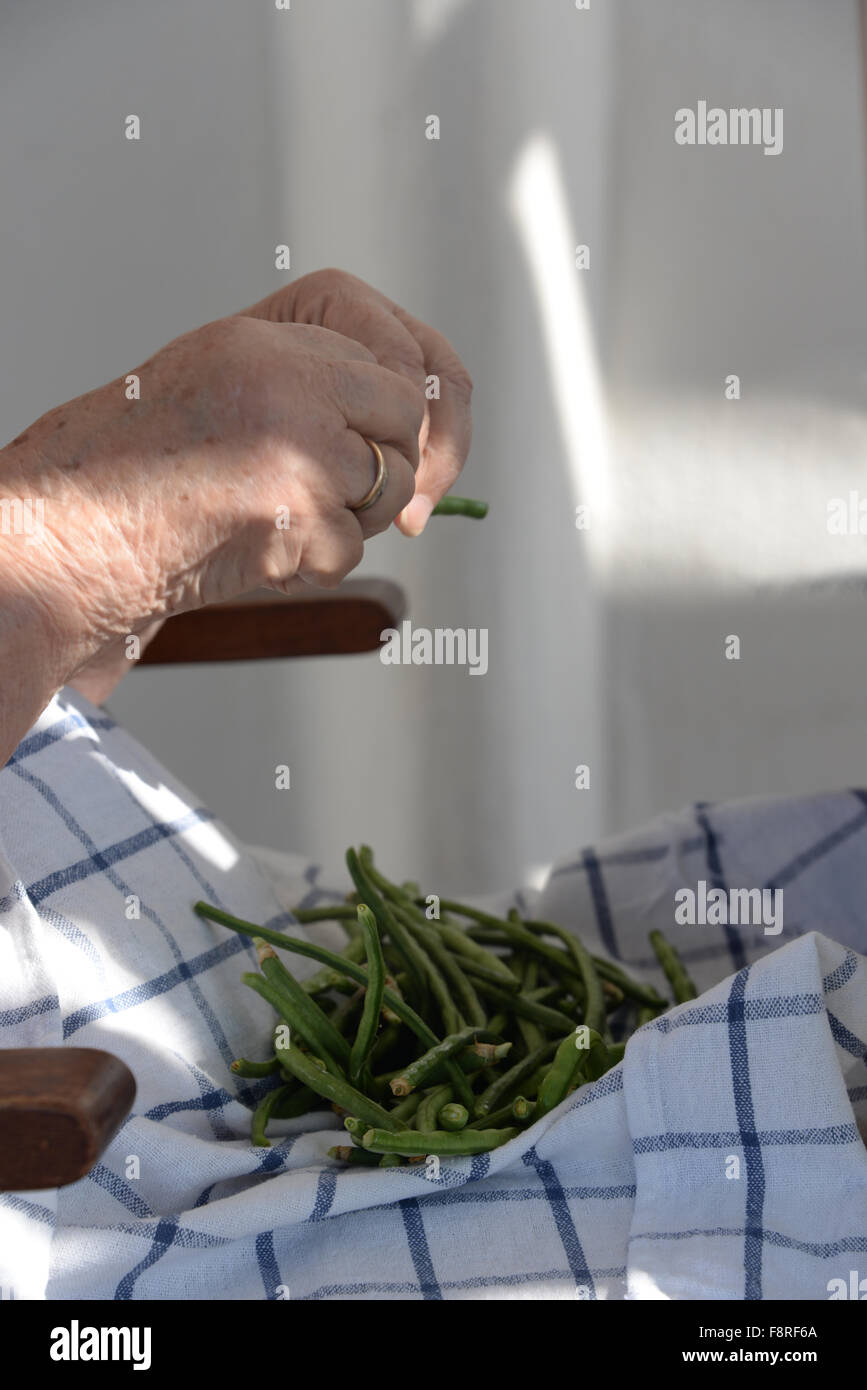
column 60, row 1107
column 265, row 626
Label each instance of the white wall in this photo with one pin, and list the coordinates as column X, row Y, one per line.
column 111, row 247
column 730, row 261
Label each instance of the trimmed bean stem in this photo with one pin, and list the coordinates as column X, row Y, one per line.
column 523, row 1109
column 345, row 1153
column 242, row 1067
column 452, row 1117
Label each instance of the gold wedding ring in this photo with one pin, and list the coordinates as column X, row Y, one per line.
column 380, row 481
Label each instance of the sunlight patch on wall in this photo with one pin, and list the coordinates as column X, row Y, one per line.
column 431, row 18
column 539, row 208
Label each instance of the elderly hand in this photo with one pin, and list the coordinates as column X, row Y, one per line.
column 402, row 343
column 238, row 466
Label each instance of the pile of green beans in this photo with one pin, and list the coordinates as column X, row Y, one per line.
column 439, row 1029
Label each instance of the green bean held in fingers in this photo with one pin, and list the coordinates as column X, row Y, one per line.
column 461, row 506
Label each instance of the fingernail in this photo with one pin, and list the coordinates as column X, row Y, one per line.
column 416, row 514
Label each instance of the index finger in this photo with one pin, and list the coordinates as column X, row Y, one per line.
column 451, row 425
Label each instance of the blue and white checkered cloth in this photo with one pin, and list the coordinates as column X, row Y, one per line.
column 721, row 1160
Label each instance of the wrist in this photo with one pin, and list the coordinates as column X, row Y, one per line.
column 43, row 635
column 75, row 567
column 28, row 654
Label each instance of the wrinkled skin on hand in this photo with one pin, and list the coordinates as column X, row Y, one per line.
column 161, row 504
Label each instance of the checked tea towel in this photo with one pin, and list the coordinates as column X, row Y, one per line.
column 721, row 1160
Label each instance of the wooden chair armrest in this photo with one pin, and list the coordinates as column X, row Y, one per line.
column 265, row 625
column 60, row 1107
